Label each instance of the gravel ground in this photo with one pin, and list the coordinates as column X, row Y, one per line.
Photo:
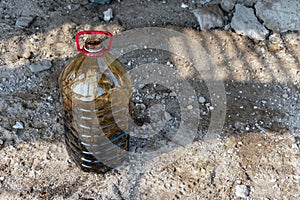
column 254, row 156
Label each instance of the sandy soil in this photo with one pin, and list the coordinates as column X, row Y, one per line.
column 255, row 155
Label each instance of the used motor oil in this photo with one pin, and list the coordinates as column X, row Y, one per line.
column 95, row 88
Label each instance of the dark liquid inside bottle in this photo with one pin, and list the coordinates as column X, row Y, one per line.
column 95, row 92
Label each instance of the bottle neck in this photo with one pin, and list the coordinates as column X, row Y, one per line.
column 93, row 45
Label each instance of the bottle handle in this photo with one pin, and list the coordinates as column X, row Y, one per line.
column 94, row 32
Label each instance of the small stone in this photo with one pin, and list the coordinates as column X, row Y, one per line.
column 244, row 22
column 230, row 151
column 1, row 142
column 242, row 191
column 190, row 107
column 108, row 15
column 227, row 27
column 168, row 117
column 18, row 125
column 141, row 106
column 285, row 96
column 24, row 22
column 173, row 94
column 183, row 5
column 100, row 1
column 73, row 7
column 96, row 18
column 202, row 100
column 209, row 17
column 40, row 66
column 228, row 5
column 2, row 178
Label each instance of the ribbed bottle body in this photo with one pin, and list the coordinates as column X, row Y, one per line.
column 95, row 93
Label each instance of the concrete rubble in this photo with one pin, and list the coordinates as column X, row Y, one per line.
column 209, row 17
column 244, row 22
column 252, row 18
column 228, row 5
column 280, row 15
column 24, row 22
column 40, row 66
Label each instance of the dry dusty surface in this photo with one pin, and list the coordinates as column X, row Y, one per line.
column 256, row 154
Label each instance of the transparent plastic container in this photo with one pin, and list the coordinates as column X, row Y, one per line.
column 95, row 89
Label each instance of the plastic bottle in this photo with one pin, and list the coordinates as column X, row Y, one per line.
column 94, row 91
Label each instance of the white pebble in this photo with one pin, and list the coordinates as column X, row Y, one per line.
column 108, row 15
column 190, row 107
column 242, row 191
column 202, row 100
column 183, row 5
column 230, row 151
column 168, row 116
column 18, row 125
column 285, row 96
column 173, row 94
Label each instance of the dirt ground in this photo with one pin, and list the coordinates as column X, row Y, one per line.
column 255, row 156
